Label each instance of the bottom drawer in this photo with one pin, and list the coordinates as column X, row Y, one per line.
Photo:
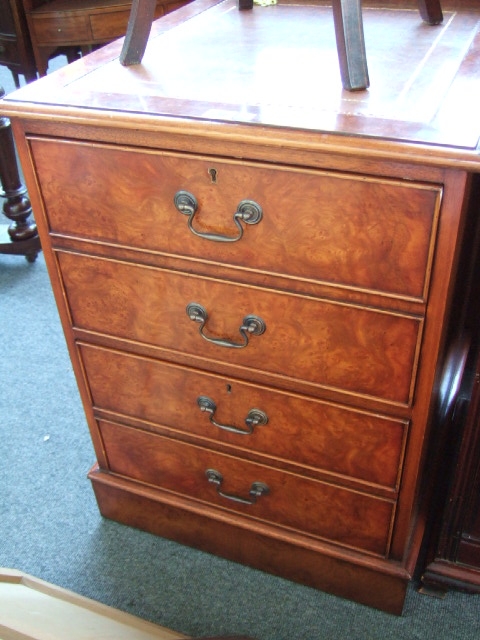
column 329, row 512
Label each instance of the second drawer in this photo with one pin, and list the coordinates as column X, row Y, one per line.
column 355, row 349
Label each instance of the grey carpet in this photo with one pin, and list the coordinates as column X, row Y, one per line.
column 50, row 526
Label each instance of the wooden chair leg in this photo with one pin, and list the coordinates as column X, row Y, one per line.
column 352, row 57
column 138, row 30
column 431, row 11
column 348, row 21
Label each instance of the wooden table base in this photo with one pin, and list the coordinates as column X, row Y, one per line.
column 21, row 237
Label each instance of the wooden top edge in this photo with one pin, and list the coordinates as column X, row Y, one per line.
column 380, row 149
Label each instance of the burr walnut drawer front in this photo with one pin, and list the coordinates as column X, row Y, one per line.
column 249, row 418
column 326, row 511
column 356, row 349
column 362, row 232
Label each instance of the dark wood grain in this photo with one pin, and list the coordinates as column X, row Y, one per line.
column 368, row 580
column 138, row 30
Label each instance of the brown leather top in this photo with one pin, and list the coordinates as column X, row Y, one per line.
column 277, row 66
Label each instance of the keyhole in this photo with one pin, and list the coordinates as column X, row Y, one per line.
column 213, row 175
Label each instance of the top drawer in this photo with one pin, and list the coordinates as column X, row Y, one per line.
column 362, row 232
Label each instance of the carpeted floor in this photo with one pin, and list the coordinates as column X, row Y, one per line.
column 50, row 526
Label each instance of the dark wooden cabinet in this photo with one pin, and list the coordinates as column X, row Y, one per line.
column 79, row 23
column 15, row 48
column 454, row 558
column 464, row 547
column 453, row 555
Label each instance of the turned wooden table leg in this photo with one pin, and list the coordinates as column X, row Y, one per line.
column 21, row 237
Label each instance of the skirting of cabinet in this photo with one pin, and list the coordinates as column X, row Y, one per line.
column 368, row 581
column 442, row 575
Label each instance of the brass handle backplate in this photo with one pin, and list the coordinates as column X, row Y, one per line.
column 251, row 325
column 247, row 211
column 254, row 418
column 257, row 489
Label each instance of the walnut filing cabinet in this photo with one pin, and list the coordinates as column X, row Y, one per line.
column 254, row 271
